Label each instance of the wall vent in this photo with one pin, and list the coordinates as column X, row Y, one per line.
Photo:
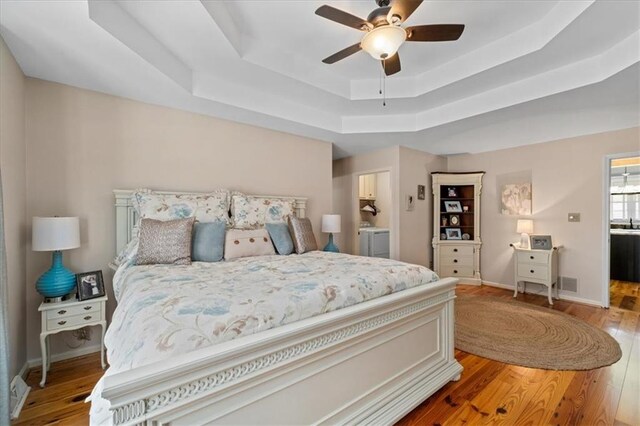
column 569, row 284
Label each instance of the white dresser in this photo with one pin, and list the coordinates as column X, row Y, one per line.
column 70, row 315
column 536, row 266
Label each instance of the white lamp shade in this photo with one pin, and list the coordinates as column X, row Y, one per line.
column 55, row 233
column 331, row 223
column 383, row 42
column 525, row 226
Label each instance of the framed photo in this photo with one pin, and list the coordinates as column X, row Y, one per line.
column 452, row 207
column 453, row 233
column 540, row 242
column 451, row 192
column 420, row 192
column 454, row 219
column 90, row 285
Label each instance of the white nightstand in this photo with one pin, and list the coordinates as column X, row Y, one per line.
column 70, row 315
column 536, row 266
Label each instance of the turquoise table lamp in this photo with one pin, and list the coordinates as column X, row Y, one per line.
column 331, row 225
column 55, row 234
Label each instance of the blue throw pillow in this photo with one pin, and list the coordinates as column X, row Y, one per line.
column 279, row 233
column 208, row 242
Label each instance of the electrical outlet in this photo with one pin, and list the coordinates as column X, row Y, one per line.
column 574, row 217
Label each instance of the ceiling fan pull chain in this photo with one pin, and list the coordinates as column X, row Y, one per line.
column 384, row 83
column 380, row 82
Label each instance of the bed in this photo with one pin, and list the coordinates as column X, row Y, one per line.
column 300, row 339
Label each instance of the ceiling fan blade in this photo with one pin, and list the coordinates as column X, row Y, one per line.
column 341, row 17
column 403, row 8
column 445, row 32
column 391, row 65
column 342, row 54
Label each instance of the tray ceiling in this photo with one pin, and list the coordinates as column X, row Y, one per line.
column 259, row 62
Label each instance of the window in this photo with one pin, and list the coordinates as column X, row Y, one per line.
column 625, row 199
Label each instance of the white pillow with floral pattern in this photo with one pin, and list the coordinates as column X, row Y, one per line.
column 206, row 207
column 250, row 212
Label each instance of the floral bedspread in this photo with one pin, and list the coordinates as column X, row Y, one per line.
column 168, row 310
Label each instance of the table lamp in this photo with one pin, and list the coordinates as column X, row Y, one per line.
column 55, row 234
column 525, row 227
column 331, row 225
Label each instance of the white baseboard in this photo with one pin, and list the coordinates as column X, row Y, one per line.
column 24, row 370
column 542, row 291
column 85, row 350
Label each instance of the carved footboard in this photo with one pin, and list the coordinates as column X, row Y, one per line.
column 372, row 362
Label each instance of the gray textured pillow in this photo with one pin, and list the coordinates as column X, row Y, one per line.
column 165, row 242
column 302, row 235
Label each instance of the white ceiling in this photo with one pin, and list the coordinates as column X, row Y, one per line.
column 259, row 62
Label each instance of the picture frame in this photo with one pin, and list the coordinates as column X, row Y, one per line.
column 453, row 233
column 452, row 207
column 540, row 242
column 421, row 192
column 90, row 285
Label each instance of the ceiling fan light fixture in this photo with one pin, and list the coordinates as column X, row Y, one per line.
column 383, row 42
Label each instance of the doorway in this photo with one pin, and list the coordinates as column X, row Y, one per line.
column 373, row 214
column 623, row 231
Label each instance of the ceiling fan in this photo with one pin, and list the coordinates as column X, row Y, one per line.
column 383, row 31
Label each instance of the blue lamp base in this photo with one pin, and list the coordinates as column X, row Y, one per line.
column 330, row 245
column 58, row 281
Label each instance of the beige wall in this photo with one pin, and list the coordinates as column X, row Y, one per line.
column 567, row 177
column 416, row 225
column 13, row 169
column 82, row 144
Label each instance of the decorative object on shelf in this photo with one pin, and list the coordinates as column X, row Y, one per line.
column 540, row 242
column 516, row 199
column 331, row 225
column 90, row 285
column 452, row 207
column 524, row 228
column 445, row 221
column 443, row 236
column 421, row 192
column 466, row 236
column 453, row 234
column 451, row 192
column 465, row 209
column 55, row 234
column 455, row 220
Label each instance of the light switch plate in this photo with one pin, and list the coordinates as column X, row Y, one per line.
column 574, row 217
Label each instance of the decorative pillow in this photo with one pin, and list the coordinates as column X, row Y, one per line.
column 208, row 241
column 128, row 253
column 279, row 233
column 247, row 242
column 209, row 207
column 302, row 233
column 252, row 212
column 167, row 242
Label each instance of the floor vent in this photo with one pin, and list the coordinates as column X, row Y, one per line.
column 569, row 284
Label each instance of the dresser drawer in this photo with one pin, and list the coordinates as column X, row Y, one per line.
column 533, row 257
column 532, row 271
column 54, row 324
column 88, row 308
column 455, row 250
column 456, row 271
column 457, row 261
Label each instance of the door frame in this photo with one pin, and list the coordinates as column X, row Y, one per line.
column 606, row 222
column 394, row 224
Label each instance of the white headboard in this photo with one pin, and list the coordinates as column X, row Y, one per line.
column 126, row 215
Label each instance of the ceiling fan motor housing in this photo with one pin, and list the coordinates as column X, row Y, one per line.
column 379, row 16
column 383, row 3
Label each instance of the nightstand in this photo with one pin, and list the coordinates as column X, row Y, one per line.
column 536, row 266
column 70, row 315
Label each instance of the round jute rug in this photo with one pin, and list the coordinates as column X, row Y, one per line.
column 531, row 336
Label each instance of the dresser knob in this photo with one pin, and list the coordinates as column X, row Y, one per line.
column 455, row 250
column 455, row 271
column 62, row 312
column 531, row 271
column 455, row 260
column 87, row 318
column 531, row 257
column 87, row 308
column 62, row 322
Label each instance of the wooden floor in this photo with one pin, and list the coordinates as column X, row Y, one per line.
column 489, row 391
column 624, row 295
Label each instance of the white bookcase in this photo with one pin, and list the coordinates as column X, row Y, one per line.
column 454, row 256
